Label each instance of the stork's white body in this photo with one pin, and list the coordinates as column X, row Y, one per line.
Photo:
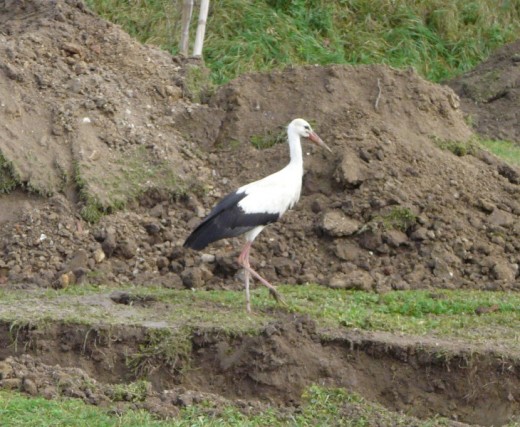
column 276, row 193
column 253, row 206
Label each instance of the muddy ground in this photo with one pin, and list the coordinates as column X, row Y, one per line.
column 107, row 163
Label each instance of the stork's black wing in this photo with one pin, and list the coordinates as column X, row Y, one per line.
column 227, row 219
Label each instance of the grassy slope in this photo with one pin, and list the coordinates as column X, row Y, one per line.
column 507, row 150
column 440, row 38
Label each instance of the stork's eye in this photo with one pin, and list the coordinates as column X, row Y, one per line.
column 307, row 127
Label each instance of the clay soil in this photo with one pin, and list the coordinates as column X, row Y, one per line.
column 92, row 121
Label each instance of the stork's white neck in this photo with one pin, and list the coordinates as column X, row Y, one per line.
column 295, row 148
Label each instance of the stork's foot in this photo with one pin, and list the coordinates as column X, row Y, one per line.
column 243, row 260
column 276, row 295
column 272, row 290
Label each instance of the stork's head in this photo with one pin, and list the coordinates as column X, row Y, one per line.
column 302, row 128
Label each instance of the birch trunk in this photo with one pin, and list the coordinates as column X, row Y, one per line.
column 201, row 28
column 187, row 10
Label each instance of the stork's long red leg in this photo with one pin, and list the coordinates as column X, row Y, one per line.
column 243, row 260
column 244, row 255
column 248, row 297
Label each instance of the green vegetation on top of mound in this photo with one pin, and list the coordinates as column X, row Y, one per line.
column 473, row 316
column 268, row 140
column 459, row 148
column 129, row 177
column 506, row 150
column 509, row 151
column 8, row 180
column 440, row 39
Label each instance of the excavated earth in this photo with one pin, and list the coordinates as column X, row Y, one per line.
column 92, row 122
column 490, row 94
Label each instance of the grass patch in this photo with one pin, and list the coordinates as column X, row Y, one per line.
column 92, row 210
column 441, row 38
column 261, row 36
column 268, row 139
column 506, row 150
column 443, row 313
column 133, row 392
column 164, row 347
column 19, row 410
column 448, row 314
column 320, row 406
column 399, row 218
column 198, row 83
column 187, row 310
column 459, row 148
column 8, row 180
column 131, row 175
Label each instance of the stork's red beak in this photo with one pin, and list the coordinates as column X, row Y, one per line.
column 317, row 140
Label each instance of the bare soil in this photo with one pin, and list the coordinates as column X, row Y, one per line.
column 91, row 119
column 490, row 94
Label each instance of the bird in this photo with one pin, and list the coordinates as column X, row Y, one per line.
column 252, row 207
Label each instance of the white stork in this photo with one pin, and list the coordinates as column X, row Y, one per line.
column 250, row 208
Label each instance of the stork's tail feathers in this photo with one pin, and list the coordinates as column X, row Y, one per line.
column 200, row 237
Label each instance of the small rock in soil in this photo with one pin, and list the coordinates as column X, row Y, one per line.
column 336, row 224
column 347, row 251
column 192, row 278
column 395, row 238
column 357, row 279
column 29, row 387
column 501, row 218
column 503, row 270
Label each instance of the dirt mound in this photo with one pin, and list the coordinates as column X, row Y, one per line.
column 100, row 119
column 389, row 209
column 86, row 110
column 490, row 94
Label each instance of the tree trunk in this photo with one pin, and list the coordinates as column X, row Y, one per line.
column 187, row 10
column 201, row 28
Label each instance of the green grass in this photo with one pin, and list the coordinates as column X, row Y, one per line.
column 320, row 406
column 442, row 314
column 130, row 176
column 8, row 180
column 398, row 218
column 268, row 140
column 459, row 148
column 506, row 150
column 440, row 38
column 19, row 410
column 170, row 348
